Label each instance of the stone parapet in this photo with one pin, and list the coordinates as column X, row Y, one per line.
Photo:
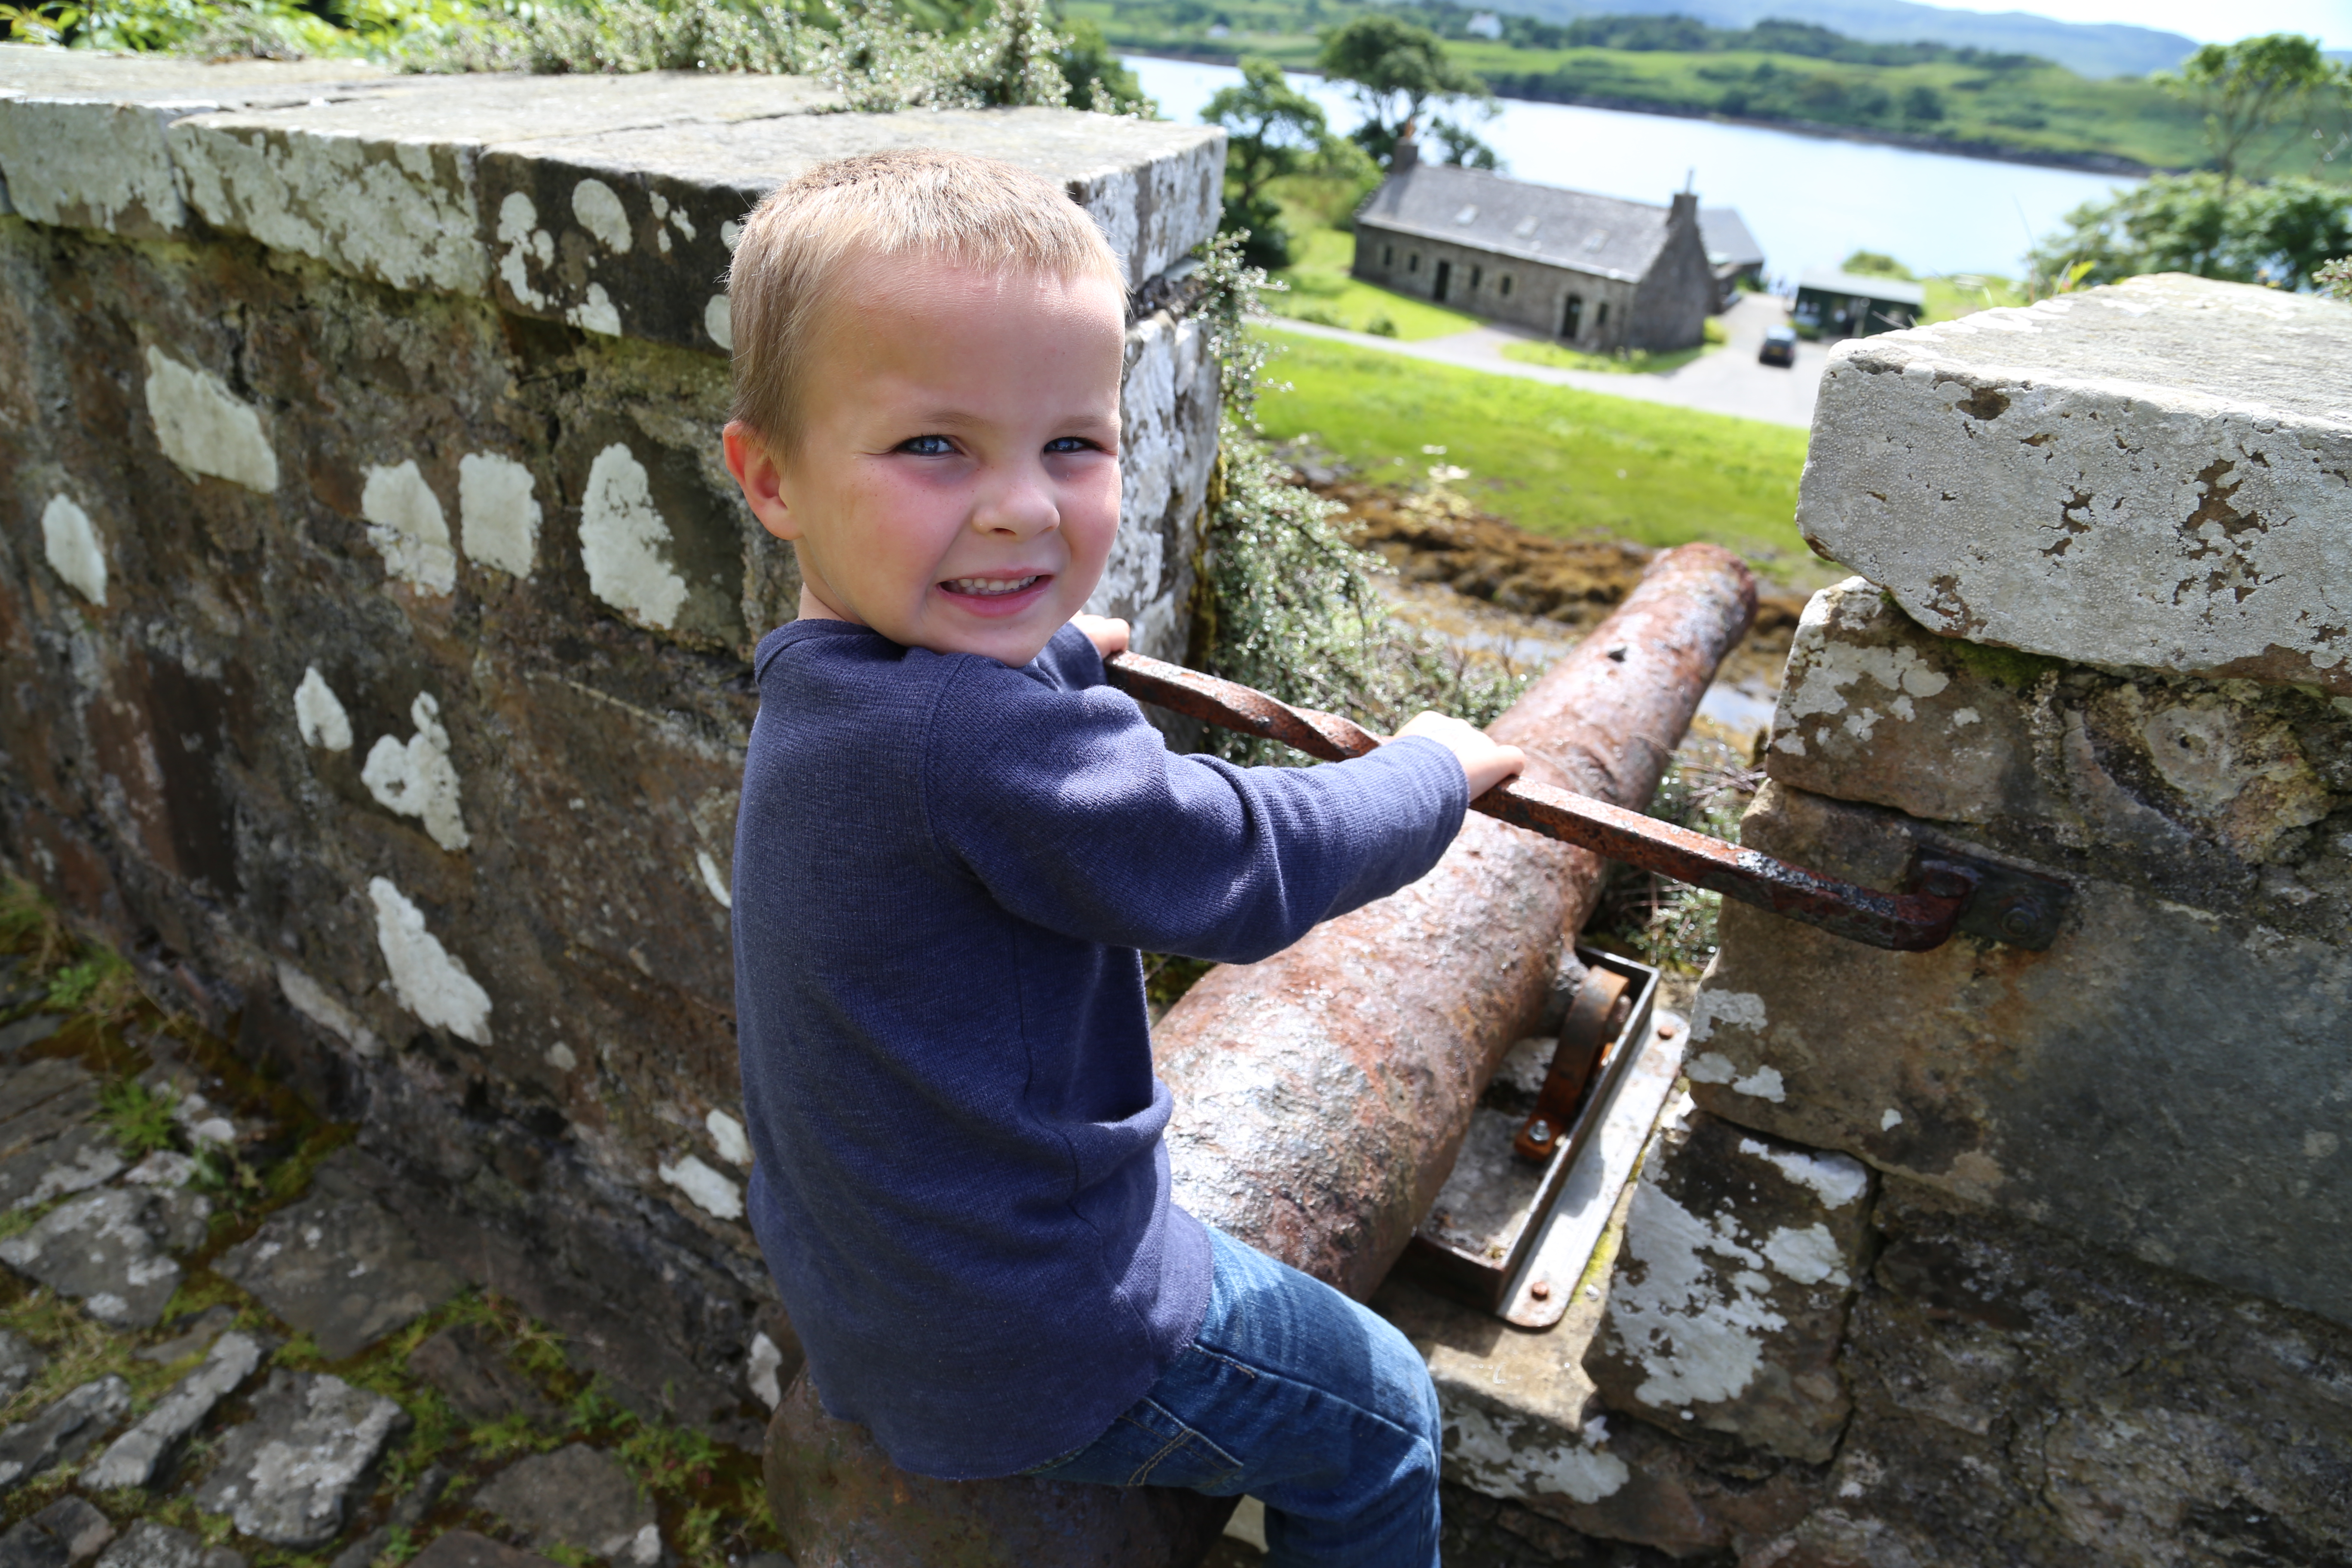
column 608, row 203
column 375, row 609
column 2152, row 475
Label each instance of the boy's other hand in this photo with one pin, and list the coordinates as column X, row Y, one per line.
column 1486, row 762
column 1107, row 633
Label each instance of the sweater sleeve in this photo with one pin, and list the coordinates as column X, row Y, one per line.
column 1071, row 656
column 1067, row 806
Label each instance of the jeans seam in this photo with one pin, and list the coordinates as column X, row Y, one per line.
column 1184, row 1434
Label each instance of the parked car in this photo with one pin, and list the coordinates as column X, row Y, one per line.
column 1780, row 347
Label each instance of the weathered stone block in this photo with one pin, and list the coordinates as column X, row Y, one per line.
column 2162, row 1079
column 2221, row 795
column 1525, row 1425
column 339, row 1268
column 2023, row 1398
column 1730, row 1295
column 94, row 164
column 287, row 1475
column 2154, row 474
column 629, row 230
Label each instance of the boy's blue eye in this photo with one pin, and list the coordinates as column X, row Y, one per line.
column 928, row 446
column 1070, row 443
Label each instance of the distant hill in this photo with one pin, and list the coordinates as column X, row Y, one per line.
column 2095, row 49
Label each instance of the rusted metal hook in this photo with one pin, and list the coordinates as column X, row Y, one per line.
column 1950, row 886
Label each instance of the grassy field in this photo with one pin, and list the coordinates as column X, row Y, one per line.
column 1320, row 289
column 1638, row 362
column 1997, row 103
column 1551, row 460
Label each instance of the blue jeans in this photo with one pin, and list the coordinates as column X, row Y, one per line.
column 1299, row 1397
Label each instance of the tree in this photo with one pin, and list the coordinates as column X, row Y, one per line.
column 2279, row 233
column 1097, row 80
column 1395, row 70
column 2247, row 88
column 1463, row 145
column 1272, row 130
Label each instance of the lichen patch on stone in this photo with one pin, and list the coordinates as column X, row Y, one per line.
column 75, row 553
column 624, row 541
column 312, row 1000
column 408, row 528
column 498, row 513
column 204, row 428
column 1697, row 1336
column 1502, row 1454
column 1836, row 1179
column 728, row 1135
column 417, row 778
column 1740, row 1009
column 318, row 713
column 710, row 1192
column 598, row 208
column 431, row 982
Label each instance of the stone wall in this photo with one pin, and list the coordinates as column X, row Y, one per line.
column 376, row 610
column 2052, row 1264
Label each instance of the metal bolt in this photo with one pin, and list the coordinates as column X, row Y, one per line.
column 2021, row 920
column 1540, row 1132
column 1540, row 1289
column 1666, row 1028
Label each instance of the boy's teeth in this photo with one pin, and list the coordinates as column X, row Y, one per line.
column 987, row 586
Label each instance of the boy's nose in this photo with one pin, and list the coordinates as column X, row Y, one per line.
column 1020, row 506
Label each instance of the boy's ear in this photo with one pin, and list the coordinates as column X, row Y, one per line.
column 756, row 470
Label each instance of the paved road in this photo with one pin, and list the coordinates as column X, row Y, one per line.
column 1727, row 381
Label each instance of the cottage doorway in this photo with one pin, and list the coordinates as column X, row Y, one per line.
column 1573, row 320
column 1444, row 281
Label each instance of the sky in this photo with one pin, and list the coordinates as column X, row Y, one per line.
column 2329, row 21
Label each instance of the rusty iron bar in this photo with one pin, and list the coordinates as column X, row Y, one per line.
column 1322, row 1095
column 1905, row 923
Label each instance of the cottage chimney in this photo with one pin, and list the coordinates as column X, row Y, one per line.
column 1685, row 209
column 1407, row 151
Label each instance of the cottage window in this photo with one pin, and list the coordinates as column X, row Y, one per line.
column 1571, row 320
column 1600, row 317
column 1387, row 255
column 1477, row 274
column 1412, row 261
column 1505, row 286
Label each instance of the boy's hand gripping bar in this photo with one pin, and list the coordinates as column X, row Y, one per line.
column 1952, row 893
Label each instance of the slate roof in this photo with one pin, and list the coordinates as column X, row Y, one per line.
column 1888, row 290
column 1727, row 241
column 1511, row 217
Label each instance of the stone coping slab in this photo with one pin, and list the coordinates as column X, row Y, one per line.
column 607, row 202
column 2157, row 474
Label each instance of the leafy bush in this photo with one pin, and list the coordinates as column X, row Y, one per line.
column 1286, row 603
column 2278, row 233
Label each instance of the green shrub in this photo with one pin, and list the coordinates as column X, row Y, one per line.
column 1286, row 603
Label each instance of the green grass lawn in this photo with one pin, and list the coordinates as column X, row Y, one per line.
column 1639, row 361
column 1949, row 298
column 1552, row 459
column 1321, row 291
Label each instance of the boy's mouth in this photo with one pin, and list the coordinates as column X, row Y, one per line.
column 993, row 587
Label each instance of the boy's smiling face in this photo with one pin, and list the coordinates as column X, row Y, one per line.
column 953, row 481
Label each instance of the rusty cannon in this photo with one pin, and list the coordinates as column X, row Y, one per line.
column 1323, row 1093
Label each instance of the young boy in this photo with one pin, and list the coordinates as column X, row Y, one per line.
column 954, row 839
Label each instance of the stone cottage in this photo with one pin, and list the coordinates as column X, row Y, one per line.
column 1595, row 272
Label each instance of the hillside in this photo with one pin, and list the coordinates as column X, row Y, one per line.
column 2092, row 49
column 1953, row 98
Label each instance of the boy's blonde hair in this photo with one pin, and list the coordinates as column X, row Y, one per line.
column 799, row 243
